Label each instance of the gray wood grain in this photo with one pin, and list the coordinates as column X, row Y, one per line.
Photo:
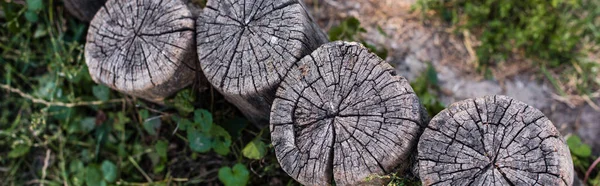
column 83, row 10
column 343, row 115
column 494, row 140
column 246, row 47
column 143, row 48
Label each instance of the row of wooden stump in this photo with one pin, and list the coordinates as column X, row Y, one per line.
column 337, row 113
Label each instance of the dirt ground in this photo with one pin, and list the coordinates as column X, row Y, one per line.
column 413, row 41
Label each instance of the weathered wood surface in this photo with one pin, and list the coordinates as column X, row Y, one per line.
column 344, row 114
column 493, row 140
column 247, row 47
column 144, row 48
column 83, row 10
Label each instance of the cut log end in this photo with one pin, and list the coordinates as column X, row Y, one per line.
column 494, row 140
column 246, row 47
column 143, row 48
column 83, row 10
column 344, row 115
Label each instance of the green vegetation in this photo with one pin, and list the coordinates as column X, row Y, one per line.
column 553, row 34
column 582, row 159
column 58, row 127
column 426, row 87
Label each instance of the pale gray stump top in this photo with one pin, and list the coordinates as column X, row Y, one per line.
column 344, row 115
column 247, row 47
column 144, row 48
column 494, row 140
column 83, row 10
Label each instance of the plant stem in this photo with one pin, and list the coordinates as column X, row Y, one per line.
column 589, row 171
column 60, row 104
column 140, row 169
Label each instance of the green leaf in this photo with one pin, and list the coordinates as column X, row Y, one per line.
column 102, row 133
column 578, row 148
column 239, row 176
column 144, row 114
column 101, row 92
column 31, row 16
column 154, row 158
column 184, row 124
column 199, row 142
column 94, row 176
column 77, row 169
column 161, row 147
column 221, row 140
column 40, row 32
column 76, row 166
column 109, row 170
column 152, row 124
column 121, row 150
column 88, row 124
column 19, row 150
column 256, row 149
column 335, row 33
column 159, row 168
column 183, row 102
column 432, row 77
column 353, row 23
column 86, row 156
column 34, row 5
column 120, row 121
column 204, row 119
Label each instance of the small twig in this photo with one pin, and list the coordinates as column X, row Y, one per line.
column 131, row 183
column 334, row 4
column 154, row 110
column 140, row 169
column 61, row 156
column 180, row 179
column 589, row 171
column 34, row 181
column 46, row 160
column 60, row 104
column 469, row 47
column 591, row 103
column 562, row 99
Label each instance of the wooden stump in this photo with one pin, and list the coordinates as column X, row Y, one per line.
column 493, row 140
column 143, row 48
column 247, row 47
column 344, row 115
column 83, row 10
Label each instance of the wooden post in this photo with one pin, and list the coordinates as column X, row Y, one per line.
column 83, row 10
column 494, row 140
column 143, row 48
column 247, row 47
column 344, row 114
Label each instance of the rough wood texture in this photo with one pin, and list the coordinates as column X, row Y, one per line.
column 246, row 47
column 493, row 140
column 83, row 10
column 343, row 114
column 143, row 48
